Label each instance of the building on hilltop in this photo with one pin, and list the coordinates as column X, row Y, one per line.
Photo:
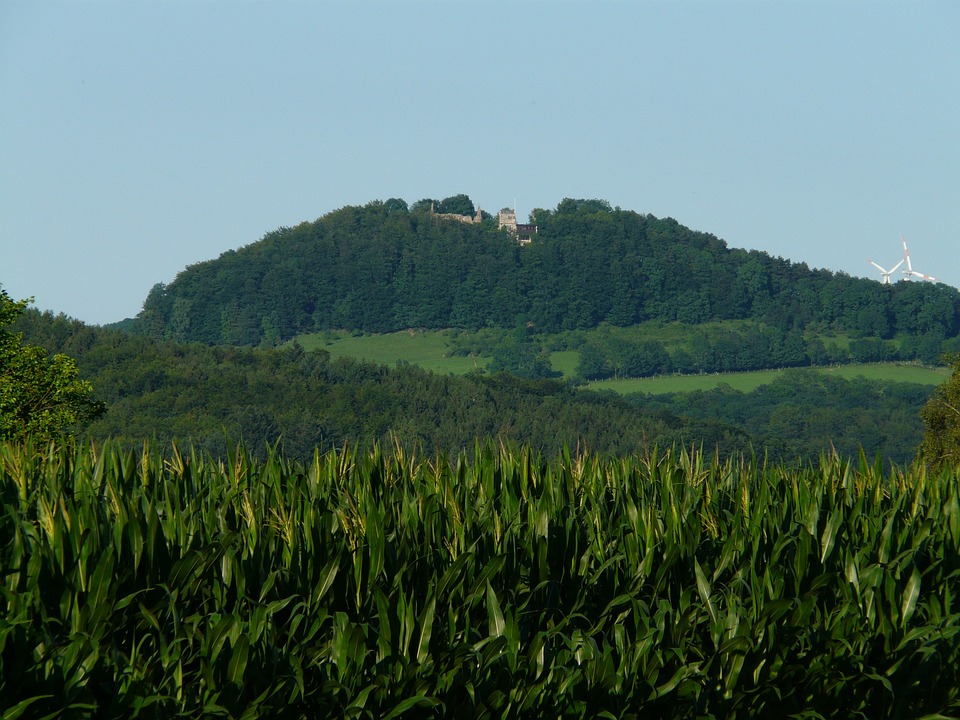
column 507, row 219
column 468, row 219
column 523, row 231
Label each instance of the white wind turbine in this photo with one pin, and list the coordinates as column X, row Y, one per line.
column 886, row 273
column 909, row 272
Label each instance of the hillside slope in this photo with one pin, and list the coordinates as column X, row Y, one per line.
column 161, row 390
column 384, row 267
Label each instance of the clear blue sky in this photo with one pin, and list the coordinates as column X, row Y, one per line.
column 137, row 138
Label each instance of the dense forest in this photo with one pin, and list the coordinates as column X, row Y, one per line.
column 303, row 400
column 806, row 413
column 386, row 266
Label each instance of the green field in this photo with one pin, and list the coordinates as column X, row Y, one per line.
column 565, row 361
column 897, row 372
column 747, row 381
column 429, row 349
column 432, row 350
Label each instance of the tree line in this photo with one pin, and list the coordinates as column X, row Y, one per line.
column 748, row 348
column 805, row 413
column 739, row 346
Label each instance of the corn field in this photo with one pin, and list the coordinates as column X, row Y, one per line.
column 163, row 583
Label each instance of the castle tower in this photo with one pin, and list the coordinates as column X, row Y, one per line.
column 508, row 219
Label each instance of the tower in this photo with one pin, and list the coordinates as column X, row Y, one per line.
column 508, row 219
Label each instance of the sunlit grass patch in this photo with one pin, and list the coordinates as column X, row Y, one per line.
column 747, row 381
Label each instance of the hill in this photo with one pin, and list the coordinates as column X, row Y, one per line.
column 384, row 267
column 161, row 390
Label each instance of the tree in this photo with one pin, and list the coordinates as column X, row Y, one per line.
column 941, row 422
column 647, row 358
column 866, row 350
column 424, row 205
column 394, row 205
column 39, row 396
column 519, row 356
column 593, row 363
column 458, row 205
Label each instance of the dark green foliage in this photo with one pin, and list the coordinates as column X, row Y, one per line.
column 497, row 584
column 304, row 399
column 425, row 205
column 381, row 268
column 803, row 414
column 737, row 347
column 869, row 350
column 941, row 420
column 617, row 358
column 40, row 395
column 395, row 205
column 648, row 358
column 457, row 205
column 520, row 356
column 593, row 364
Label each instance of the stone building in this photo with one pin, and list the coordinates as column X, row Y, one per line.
column 468, row 219
column 507, row 219
column 523, row 231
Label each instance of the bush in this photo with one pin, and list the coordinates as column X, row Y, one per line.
column 941, row 421
column 39, row 395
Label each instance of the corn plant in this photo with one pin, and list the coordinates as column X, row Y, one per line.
column 164, row 582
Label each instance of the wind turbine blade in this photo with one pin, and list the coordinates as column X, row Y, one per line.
column 878, row 267
column 906, row 254
column 896, row 266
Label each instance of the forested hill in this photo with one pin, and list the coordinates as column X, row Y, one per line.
column 386, row 266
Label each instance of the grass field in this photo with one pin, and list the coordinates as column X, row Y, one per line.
column 899, row 372
column 565, row 361
column 747, row 381
column 430, row 349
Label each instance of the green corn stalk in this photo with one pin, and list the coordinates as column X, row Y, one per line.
column 162, row 581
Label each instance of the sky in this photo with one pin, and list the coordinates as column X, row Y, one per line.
column 138, row 137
